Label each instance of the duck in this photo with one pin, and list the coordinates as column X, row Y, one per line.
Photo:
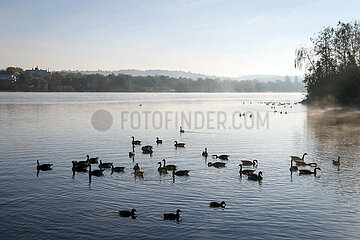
column 217, row 204
column 293, row 168
column 222, row 157
column 336, row 162
column 92, row 160
column 217, row 164
column 254, row 176
column 307, row 171
column 97, row 172
column 181, row 172
column 298, row 158
column 172, row 216
column 169, row 167
column 245, row 171
column 126, row 213
column 131, row 154
column 78, row 168
column 249, row 162
column 43, row 167
column 135, row 142
column 205, row 153
column 179, row 144
column 158, row 141
column 105, row 164
column 181, row 130
column 117, row 169
column 162, row 169
column 137, row 167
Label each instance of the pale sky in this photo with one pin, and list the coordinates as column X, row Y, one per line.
column 219, row 37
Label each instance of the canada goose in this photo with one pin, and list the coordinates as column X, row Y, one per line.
column 158, row 141
column 218, row 204
column 105, row 164
column 181, row 172
column 179, row 144
column 147, row 147
column 302, row 163
column 162, row 169
column 77, row 168
column 137, row 167
column 92, row 160
column 82, row 163
column 43, row 167
column 168, row 167
column 172, row 216
column 131, row 154
column 336, row 162
column 181, row 130
column 298, row 158
column 293, row 167
column 307, row 171
column 205, row 153
column 245, row 171
column 255, row 176
column 135, row 142
column 97, row 172
column 139, row 174
column 126, row 213
column 222, row 157
column 147, row 151
column 249, row 162
column 217, row 164
column 117, row 169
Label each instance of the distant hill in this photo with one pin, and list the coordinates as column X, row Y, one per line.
column 195, row 76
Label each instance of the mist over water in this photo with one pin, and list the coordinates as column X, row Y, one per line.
column 58, row 128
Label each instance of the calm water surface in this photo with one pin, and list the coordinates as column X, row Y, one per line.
column 57, row 128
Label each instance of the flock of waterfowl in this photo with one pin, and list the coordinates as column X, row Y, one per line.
column 247, row 167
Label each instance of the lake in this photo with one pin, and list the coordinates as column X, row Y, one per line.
column 59, row 128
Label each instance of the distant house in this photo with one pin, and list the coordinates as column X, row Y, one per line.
column 7, row 77
column 36, row 72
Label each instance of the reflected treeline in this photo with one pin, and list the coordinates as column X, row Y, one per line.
column 78, row 82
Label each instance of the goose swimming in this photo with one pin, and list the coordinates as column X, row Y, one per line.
column 308, row 172
column 97, row 172
column 172, row 216
column 105, row 164
column 218, row 204
column 126, row 213
column 168, row 167
column 245, row 171
column 158, row 141
column 336, row 162
column 135, row 142
column 43, row 167
column 222, row 157
column 217, row 164
column 298, row 158
column 254, row 176
column 179, row 144
column 162, row 169
column 205, row 153
column 249, row 162
column 92, row 160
